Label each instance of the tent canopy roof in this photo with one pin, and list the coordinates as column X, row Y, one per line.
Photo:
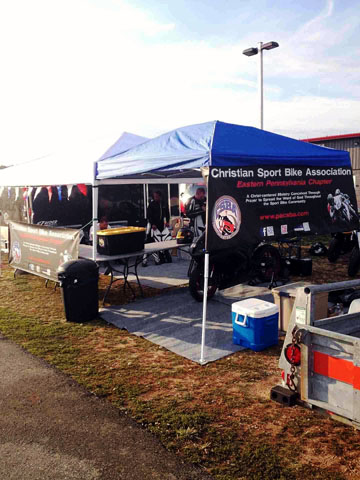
column 67, row 167
column 218, row 144
column 175, row 153
column 123, row 143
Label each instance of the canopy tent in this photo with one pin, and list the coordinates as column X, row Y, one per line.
column 218, row 144
column 70, row 166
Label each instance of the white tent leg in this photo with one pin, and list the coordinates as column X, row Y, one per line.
column 206, row 283
column 30, row 208
column 95, row 198
column 27, row 205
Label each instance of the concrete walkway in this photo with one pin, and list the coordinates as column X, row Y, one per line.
column 52, row 429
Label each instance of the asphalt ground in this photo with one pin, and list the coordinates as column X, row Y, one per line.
column 53, row 429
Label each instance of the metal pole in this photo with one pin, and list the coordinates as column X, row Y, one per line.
column 31, row 215
column 95, row 201
column 206, row 284
column 169, row 204
column 95, row 195
column 206, row 277
column 27, row 207
column 145, row 199
column 261, row 89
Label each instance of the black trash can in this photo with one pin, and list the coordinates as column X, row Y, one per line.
column 79, row 289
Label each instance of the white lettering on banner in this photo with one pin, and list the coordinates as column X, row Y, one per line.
column 328, row 171
column 293, row 172
column 46, row 232
column 231, row 173
column 265, row 173
column 271, row 173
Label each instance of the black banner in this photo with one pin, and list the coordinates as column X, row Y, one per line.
column 253, row 204
column 41, row 250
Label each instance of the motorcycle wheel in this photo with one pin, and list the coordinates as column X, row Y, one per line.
column 196, row 285
column 267, row 261
column 334, row 250
column 354, row 262
column 348, row 243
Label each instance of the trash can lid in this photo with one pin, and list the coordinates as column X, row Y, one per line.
column 78, row 268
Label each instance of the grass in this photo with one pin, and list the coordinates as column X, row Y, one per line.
column 218, row 416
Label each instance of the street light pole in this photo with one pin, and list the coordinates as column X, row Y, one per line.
column 249, row 52
column 261, row 85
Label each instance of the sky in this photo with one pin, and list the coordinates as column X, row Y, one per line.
column 77, row 70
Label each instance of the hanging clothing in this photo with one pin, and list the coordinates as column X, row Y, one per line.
column 158, row 214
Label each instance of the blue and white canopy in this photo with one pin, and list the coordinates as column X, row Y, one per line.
column 218, row 144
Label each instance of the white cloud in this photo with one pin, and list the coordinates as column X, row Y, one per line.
column 313, row 116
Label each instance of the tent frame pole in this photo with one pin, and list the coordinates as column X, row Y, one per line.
column 206, row 283
column 27, row 205
column 95, row 201
column 30, row 205
column 206, row 259
column 203, row 329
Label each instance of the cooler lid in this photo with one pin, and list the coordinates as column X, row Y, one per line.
column 255, row 308
column 120, row 231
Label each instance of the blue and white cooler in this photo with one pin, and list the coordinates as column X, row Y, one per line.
column 255, row 323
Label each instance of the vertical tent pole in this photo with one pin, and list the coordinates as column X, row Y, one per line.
column 144, row 198
column 206, row 283
column 206, row 278
column 207, row 259
column 95, row 199
column 27, row 205
column 95, row 193
column 30, row 207
column 169, row 204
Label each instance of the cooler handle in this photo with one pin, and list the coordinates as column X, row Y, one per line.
column 243, row 323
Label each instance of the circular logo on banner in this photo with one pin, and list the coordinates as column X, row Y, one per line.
column 226, row 217
column 16, row 252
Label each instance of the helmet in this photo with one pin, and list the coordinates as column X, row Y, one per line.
column 337, row 191
column 330, row 199
column 184, row 236
column 318, row 249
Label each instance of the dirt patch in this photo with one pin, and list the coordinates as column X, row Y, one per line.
column 218, row 415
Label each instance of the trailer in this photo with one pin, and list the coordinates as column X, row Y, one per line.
column 320, row 359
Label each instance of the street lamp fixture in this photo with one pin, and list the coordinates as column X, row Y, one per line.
column 269, row 45
column 249, row 52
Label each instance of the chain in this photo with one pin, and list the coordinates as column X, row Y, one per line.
column 291, row 384
column 296, row 338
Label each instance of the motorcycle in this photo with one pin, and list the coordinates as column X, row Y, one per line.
column 341, row 242
column 230, row 267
